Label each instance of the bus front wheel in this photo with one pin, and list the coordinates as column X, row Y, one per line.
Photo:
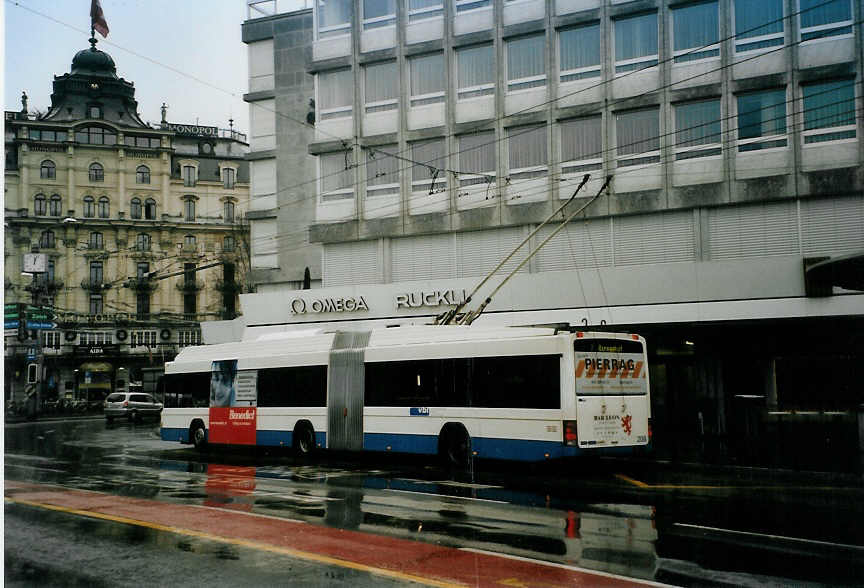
column 198, row 436
column 454, row 447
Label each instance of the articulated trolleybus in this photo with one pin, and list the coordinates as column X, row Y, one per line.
column 516, row 393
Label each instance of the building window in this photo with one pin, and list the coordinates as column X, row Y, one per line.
column 466, row 5
column 762, row 120
column 526, row 62
column 95, row 136
column 142, row 174
column 829, row 111
column 48, row 171
column 228, row 212
column 432, row 177
column 758, row 24
column 151, row 142
column 189, row 175
column 228, row 177
column 820, row 19
column 96, row 240
column 335, row 93
column 40, row 205
column 187, row 338
column 334, row 17
column 95, row 305
column 527, row 152
column 94, row 112
column 89, row 207
column 135, row 208
column 637, row 135
column 47, row 135
column 143, row 338
column 55, row 205
column 142, row 306
column 382, row 171
column 420, row 9
column 427, row 79
column 150, row 209
column 475, row 71
column 378, row 13
column 381, row 86
column 697, row 129
column 579, row 52
column 695, row 32
column 97, row 173
column 104, row 207
column 189, row 210
column 46, row 240
column 635, row 42
column 228, row 243
column 477, row 158
column 190, row 306
column 142, row 242
column 190, row 242
column 581, row 145
column 337, row 178
column 97, row 277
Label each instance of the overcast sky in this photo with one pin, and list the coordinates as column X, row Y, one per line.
column 200, row 38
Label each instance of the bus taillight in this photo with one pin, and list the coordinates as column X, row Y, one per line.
column 650, row 433
column 570, row 437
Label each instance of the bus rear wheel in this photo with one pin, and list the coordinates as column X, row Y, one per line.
column 304, row 440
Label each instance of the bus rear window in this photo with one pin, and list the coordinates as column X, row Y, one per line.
column 607, row 345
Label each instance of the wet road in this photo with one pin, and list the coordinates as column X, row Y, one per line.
column 637, row 522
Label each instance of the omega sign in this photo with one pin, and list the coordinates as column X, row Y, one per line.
column 319, row 305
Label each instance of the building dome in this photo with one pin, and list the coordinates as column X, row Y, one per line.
column 92, row 62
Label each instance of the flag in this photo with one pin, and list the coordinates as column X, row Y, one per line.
column 97, row 18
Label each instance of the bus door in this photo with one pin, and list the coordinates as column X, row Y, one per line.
column 346, row 390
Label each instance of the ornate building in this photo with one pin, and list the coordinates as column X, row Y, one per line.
column 142, row 228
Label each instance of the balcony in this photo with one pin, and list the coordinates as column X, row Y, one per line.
column 47, row 287
column 228, row 288
column 95, row 285
column 190, row 286
column 142, row 285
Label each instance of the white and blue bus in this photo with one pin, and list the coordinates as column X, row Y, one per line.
column 516, row 393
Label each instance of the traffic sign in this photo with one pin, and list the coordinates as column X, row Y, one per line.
column 40, row 324
column 39, row 314
column 11, row 311
column 7, row 324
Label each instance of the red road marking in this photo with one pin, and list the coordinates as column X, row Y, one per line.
column 404, row 556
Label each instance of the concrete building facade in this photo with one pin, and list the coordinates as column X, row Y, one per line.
column 125, row 214
column 445, row 132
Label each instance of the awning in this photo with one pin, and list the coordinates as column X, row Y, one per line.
column 96, row 366
column 845, row 272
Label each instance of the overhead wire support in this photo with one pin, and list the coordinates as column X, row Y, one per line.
column 448, row 316
column 471, row 316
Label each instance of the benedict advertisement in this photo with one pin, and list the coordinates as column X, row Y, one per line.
column 233, row 404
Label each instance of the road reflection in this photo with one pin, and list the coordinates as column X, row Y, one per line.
column 588, row 520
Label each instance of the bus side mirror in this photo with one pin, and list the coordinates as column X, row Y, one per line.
column 32, row 373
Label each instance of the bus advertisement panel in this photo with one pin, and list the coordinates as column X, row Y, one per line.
column 233, row 404
column 613, row 407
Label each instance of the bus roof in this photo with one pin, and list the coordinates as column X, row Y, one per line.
column 312, row 347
